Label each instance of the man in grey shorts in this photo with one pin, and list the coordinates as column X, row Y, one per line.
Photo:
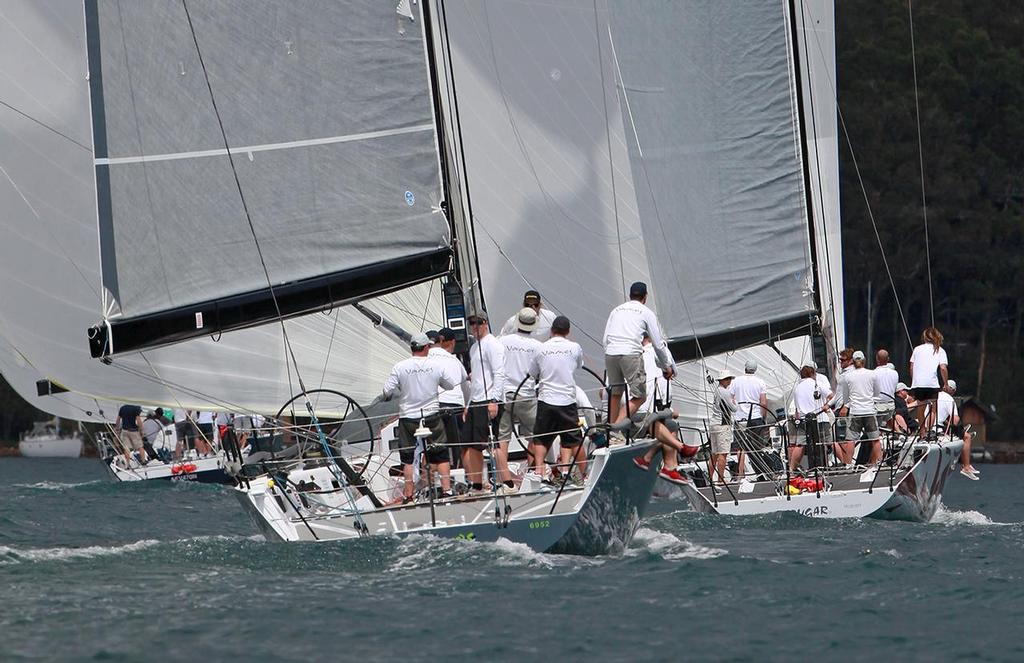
column 520, row 349
column 623, row 352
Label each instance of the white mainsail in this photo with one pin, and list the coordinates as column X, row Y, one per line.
column 51, row 268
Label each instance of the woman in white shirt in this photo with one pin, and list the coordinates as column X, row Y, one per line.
column 927, row 364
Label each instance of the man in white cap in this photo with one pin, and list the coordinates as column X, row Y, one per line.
column 860, row 392
column 948, row 417
column 542, row 330
column 487, row 386
column 903, row 421
column 452, row 402
column 623, row 350
column 721, row 433
column 416, row 381
column 751, row 396
column 520, row 410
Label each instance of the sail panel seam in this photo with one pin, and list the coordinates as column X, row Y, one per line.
column 267, row 147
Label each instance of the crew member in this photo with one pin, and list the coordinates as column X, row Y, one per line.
column 721, row 433
column 654, row 421
column 487, row 386
column 416, row 381
column 127, row 427
column 451, row 402
column 928, row 364
column 860, row 391
column 751, row 395
column 810, row 405
column 554, row 368
column 542, row 331
column 623, row 348
column 520, row 411
column 948, row 417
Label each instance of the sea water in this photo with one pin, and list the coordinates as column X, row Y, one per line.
column 93, row 570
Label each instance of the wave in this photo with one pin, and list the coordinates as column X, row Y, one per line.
column 9, row 555
column 56, row 485
column 944, row 516
column 670, row 547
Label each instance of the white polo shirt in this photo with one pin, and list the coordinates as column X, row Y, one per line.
column 860, row 390
column 416, row 381
column 945, row 408
column 520, row 349
column 656, row 382
column 487, row 370
column 804, row 400
column 555, row 366
column 926, row 361
column 888, row 378
column 747, row 389
column 624, row 332
column 457, row 394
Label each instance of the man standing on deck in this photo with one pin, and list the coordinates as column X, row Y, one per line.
column 860, row 391
column 554, row 367
column 128, row 427
column 948, row 417
column 751, row 394
column 623, row 350
column 542, row 331
column 487, row 385
column 520, row 411
column 416, row 381
column 451, row 402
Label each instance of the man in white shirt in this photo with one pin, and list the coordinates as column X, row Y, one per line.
column 664, row 430
column 520, row 409
column 721, row 433
column 451, row 402
column 554, row 368
column 826, row 418
column 542, row 331
column 487, row 387
column 623, row 349
column 204, row 426
column 810, row 404
column 751, row 397
column 949, row 420
column 888, row 376
column 416, row 381
column 860, row 391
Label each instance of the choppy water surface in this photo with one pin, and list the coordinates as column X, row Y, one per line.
column 95, row 570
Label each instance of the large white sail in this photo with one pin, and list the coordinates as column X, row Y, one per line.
column 51, row 269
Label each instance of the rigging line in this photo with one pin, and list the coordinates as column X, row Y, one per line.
column 657, row 214
column 426, row 307
column 45, row 125
column 521, row 143
column 527, row 281
column 608, row 138
column 864, row 193
column 241, row 195
column 805, row 13
column 920, row 159
column 330, row 345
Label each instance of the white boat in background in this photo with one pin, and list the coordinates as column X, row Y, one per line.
column 45, row 440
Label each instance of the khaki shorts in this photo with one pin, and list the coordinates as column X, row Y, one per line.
column 721, row 438
column 628, row 370
column 525, row 413
column 131, row 439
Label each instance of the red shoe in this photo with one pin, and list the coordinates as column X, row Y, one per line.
column 673, row 476
column 642, row 463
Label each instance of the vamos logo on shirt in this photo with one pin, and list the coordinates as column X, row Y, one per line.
column 549, row 353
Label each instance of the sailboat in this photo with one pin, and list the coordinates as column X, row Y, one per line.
column 737, row 149
column 46, row 440
column 324, row 164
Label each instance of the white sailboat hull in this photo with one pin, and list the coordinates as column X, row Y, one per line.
column 601, row 515
column 50, row 447
column 202, row 470
column 909, row 491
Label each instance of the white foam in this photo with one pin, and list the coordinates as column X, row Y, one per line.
column 944, row 516
column 670, row 547
column 14, row 555
column 54, row 485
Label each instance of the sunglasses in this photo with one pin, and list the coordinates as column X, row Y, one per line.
column 475, row 323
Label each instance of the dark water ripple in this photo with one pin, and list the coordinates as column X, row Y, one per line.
column 91, row 570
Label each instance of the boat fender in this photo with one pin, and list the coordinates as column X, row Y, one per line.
column 792, row 490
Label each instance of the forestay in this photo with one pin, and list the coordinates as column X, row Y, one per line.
column 326, row 109
column 714, row 140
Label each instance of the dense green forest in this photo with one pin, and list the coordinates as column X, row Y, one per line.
column 970, row 81
column 970, row 71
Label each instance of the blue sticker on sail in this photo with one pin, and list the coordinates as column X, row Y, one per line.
column 409, row 198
